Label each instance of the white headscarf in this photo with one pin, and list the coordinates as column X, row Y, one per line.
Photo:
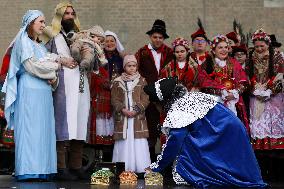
column 119, row 46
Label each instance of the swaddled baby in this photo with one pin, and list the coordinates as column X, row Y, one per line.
column 86, row 48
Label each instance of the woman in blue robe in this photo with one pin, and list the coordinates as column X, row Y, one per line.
column 28, row 104
column 207, row 144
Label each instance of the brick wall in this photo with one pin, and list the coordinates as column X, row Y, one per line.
column 130, row 19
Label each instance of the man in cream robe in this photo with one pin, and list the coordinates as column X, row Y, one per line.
column 71, row 104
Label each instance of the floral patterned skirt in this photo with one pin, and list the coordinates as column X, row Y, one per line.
column 267, row 123
column 101, row 129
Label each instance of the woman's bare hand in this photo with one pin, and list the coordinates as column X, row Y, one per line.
column 51, row 81
column 148, row 170
column 261, row 98
column 68, row 62
column 86, row 48
column 230, row 96
column 132, row 114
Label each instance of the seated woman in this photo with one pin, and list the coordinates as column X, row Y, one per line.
column 207, row 144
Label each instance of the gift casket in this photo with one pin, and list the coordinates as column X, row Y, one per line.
column 154, row 179
column 128, row 177
column 102, row 177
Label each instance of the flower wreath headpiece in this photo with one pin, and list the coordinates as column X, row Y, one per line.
column 217, row 39
column 260, row 34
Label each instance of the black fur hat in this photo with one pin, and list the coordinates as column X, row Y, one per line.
column 274, row 41
column 159, row 26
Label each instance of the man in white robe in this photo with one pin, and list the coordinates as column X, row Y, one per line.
column 71, row 104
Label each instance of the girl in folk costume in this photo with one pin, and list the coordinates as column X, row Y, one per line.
column 179, row 66
column 130, row 133
column 267, row 103
column 101, row 128
column 224, row 77
column 28, row 88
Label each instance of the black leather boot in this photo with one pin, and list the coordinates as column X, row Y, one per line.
column 64, row 174
column 80, row 174
column 153, row 155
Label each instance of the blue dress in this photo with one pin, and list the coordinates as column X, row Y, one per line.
column 213, row 151
column 34, row 126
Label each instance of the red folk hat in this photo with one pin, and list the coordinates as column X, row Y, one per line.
column 199, row 33
column 233, row 36
column 240, row 48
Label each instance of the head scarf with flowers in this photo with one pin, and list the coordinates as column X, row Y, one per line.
column 260, row 35
column 181, row 42
column 217, row 39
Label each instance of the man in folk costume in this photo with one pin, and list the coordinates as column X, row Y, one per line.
column 151, row 59
column 240, row 53
column 200, row 53
column 233, row 40
column 235, row 37
column 71, row 104
column 275, row 44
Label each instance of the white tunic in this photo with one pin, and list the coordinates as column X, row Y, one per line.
column 77, row 104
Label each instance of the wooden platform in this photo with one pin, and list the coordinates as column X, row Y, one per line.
column 6, row 181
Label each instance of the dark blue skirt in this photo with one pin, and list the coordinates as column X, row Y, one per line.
column 216, row 152
column 212, row 152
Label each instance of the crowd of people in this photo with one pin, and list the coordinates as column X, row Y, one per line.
column 55, row 105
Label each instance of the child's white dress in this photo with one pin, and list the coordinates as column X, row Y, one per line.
column 134, row 152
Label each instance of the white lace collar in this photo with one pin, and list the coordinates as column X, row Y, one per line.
column 181, row 64
column 189, row 108
column 220, row 63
